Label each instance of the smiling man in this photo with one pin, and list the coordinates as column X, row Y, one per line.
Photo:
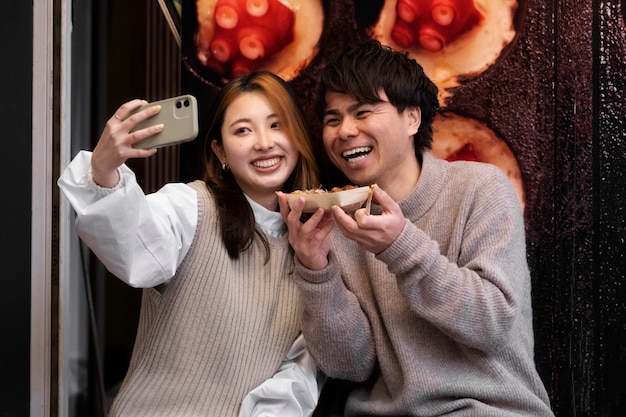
column 424, row 304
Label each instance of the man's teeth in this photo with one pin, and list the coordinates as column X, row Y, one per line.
column 266, row 163
column 357, row 154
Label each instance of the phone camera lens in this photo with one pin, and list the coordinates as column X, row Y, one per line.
column 178, row 105
column 186, row 103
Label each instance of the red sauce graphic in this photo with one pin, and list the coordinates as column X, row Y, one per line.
column 432, row 24
column 246, row 33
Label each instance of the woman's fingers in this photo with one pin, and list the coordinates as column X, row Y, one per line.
column 128, row 108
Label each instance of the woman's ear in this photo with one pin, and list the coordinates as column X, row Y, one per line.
column 218, row 150
column 414, row 116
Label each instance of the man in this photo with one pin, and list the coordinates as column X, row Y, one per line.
column 424, row 303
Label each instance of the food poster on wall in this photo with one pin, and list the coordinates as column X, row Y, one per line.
column 534, row 87
column 454, row 40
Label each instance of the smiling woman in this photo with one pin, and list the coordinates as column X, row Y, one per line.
column 255, row 146
column 201, row 251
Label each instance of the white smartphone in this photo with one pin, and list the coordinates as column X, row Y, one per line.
column 179, row 116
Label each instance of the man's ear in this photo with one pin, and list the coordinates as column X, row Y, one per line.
column 414, row 115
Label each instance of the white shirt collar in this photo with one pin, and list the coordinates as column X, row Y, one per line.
column 271, row 222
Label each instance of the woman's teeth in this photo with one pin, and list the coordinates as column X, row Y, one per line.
column 266, row 163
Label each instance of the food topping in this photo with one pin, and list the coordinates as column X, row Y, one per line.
column 453, row 40
column 323, row 191
column 235, row 37
column 433, row 24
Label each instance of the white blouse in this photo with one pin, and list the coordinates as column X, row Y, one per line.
column 131, row 253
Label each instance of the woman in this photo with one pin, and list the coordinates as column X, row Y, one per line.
column 219, row 315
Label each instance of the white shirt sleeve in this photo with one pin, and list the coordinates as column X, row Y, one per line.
column 293, row 391
column 140, row 239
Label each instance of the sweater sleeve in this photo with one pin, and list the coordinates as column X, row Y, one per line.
column 338, row 332
column 471, row 289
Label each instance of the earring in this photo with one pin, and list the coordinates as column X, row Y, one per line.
column 224, row 166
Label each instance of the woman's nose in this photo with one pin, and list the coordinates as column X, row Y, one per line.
column 264, row 140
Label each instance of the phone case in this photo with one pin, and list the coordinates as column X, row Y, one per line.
column 179, row 116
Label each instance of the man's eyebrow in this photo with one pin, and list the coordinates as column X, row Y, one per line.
column 355, row 106
column 351, row 108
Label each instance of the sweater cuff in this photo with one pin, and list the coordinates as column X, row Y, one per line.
column 407, row 242
column 321, row 275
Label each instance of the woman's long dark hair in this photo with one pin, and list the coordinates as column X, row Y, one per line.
column 235, row 214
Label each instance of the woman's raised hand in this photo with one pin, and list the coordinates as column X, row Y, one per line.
column 115, row 144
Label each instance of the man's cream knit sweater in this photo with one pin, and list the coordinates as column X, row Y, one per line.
column 439, row 323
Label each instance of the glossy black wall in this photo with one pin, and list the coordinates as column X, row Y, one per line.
column 16, row 39
column 558, row 101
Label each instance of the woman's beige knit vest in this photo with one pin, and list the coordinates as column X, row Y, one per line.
column 218, row 329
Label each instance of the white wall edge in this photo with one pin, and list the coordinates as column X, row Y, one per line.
column 42, row 125
column 65, row 299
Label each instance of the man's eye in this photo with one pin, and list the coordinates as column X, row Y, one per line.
column 363, row 113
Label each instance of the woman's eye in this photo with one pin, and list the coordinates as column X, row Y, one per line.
column 242, row 130
column 276, row 125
